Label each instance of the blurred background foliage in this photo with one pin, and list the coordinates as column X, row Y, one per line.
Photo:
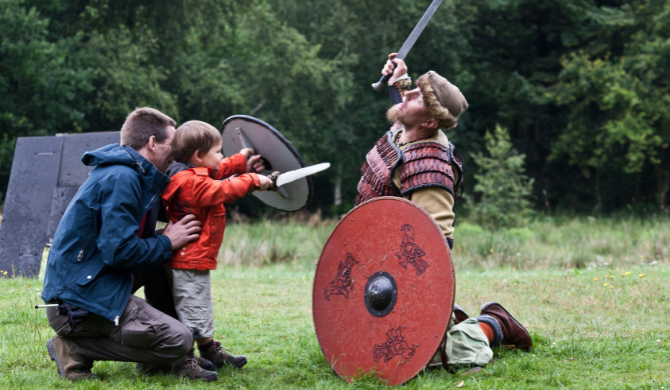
column 580, row 85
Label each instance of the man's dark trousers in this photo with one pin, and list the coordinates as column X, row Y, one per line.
column 143, row 335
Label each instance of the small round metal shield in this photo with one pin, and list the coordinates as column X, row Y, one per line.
column 241, row 131
column 383, row 291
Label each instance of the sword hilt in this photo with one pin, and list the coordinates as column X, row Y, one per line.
column 385, row 79
column 274, row 176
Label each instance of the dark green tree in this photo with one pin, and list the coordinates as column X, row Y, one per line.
column 42, row 84
column 620, row 102
column 502, row 183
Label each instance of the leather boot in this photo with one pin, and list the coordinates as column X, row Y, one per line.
column 508, row 331
column 205, row 364
column 70, row 365
column 188, row 366
column 459, row 314
column 153, row 369
column 221, row 357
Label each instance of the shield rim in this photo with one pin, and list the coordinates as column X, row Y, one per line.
column 288, row 145
column 453, row 276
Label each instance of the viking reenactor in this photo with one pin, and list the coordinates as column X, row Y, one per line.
column 415, row 160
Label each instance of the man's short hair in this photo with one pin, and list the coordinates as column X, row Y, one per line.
column 194, row 136
column 143, row 123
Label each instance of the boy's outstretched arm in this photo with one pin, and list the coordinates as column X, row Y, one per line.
column 235, row 164
column 209, row 192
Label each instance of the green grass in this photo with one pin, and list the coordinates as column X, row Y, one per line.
column 586, row 335
column 583, row 242
column 269, row 242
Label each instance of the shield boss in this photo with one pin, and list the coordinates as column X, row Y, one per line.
column 383, row 291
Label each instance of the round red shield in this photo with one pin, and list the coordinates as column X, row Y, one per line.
column 383, row 291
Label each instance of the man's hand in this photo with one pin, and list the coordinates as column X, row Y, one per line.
column 264, row 183
column 182, row 232
column 255, row 164
column 400, row 68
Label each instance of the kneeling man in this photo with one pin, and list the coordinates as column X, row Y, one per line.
column 99, row 256
column 416, row 161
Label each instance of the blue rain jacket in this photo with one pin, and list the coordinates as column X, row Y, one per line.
column 96, row 246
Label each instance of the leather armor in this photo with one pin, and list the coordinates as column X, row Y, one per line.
column 428, row 164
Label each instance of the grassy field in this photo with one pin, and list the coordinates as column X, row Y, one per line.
column 602, row 326
column 545, row 243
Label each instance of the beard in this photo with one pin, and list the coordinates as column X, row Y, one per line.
column 393, row 114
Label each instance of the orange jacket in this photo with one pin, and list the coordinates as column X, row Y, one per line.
column 200, row 191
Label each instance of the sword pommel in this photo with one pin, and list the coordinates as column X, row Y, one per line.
column 378, row 85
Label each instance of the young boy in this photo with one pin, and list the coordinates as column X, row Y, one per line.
column 197, row 188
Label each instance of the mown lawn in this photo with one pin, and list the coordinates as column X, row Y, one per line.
column 587, row 335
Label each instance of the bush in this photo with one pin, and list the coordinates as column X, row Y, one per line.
column 502, row 182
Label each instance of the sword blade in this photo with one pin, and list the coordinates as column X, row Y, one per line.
column 418, row 29
column 292, row 176
column 411, row 40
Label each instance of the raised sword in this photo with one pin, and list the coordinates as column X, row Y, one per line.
column 407, row 46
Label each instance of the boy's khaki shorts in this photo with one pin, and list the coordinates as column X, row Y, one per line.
column 192, row 295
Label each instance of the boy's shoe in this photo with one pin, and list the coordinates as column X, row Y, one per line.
column 69, row 364
column 205, row 364
column 508, row 331
column 221, row 357
column 188, row 366
column 459, row 314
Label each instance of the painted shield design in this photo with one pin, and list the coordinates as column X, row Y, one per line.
column 383, row 291
column 242, row 131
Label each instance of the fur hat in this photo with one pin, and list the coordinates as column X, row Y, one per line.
column 444, row 100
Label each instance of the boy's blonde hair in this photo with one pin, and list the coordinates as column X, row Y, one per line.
column 191, row 137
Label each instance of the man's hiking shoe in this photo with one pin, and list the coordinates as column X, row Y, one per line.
column 153, row 369
column 508, row 331
column 459, row 314
column 188, row 366
column 70, row 365
column 221, row 357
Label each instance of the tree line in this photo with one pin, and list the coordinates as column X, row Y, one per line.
column 580, row 85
